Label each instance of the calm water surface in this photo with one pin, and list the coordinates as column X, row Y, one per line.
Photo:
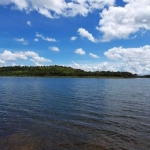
column 74, row 114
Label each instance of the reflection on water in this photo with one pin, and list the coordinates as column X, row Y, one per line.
column 73, row 113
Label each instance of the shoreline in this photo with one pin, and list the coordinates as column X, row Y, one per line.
column 101, row 77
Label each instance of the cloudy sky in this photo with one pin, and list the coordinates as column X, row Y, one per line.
column 88, row 34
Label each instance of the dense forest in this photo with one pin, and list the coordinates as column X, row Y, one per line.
column 47, row 71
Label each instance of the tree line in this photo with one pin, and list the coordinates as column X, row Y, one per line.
column 46, row 71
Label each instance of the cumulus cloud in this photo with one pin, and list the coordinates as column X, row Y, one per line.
column 45, row 38
column 17, row 4
column 140, row 54
column 53, row 48
column 136, row 60
column 93, row 55
column 54, row 9
column 85, row 34
column 73, row 38
column 105, row 66
column 29, row 23
column 8, row 56
column 22, row 40
column 80, row 51
column 121, row 22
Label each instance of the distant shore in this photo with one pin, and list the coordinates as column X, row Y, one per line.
column 62, row 72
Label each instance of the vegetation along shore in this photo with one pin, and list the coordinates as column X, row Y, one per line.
column 49, row 71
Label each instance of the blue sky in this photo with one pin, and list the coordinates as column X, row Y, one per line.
column 86, row 34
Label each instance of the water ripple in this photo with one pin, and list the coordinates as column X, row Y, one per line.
column 74, row 113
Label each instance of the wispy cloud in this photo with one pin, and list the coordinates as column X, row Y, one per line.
column 93, row 55
column 76, row 64
column 45, row 38
column 85, row 34
column 21, row 40
column 29, row 23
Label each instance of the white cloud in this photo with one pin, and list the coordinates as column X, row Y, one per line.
column 8, row 56
column 122, row 22
column 14, row 64
column 80, row 51
column 45, row 12
column 18, row 4
column 140, row 54
column 93, row 55
column 38, row 59
column 73, row 38
column 2, row 62
column 53, row 48
column 29, row 23
column 22, row 40
column 45, row 38
column 36, row 39
column 75, row 64
column 30, row 54
column 49, row 39
column 136, row 60
column 54, row 9
column 39, row 35
column 105, row 66
column 85, row 34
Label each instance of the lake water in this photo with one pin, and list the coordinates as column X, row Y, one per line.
column 74, row 114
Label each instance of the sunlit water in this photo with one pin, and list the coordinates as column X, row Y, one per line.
column 74, row 114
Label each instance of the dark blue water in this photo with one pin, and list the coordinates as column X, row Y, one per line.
column 74, row 114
